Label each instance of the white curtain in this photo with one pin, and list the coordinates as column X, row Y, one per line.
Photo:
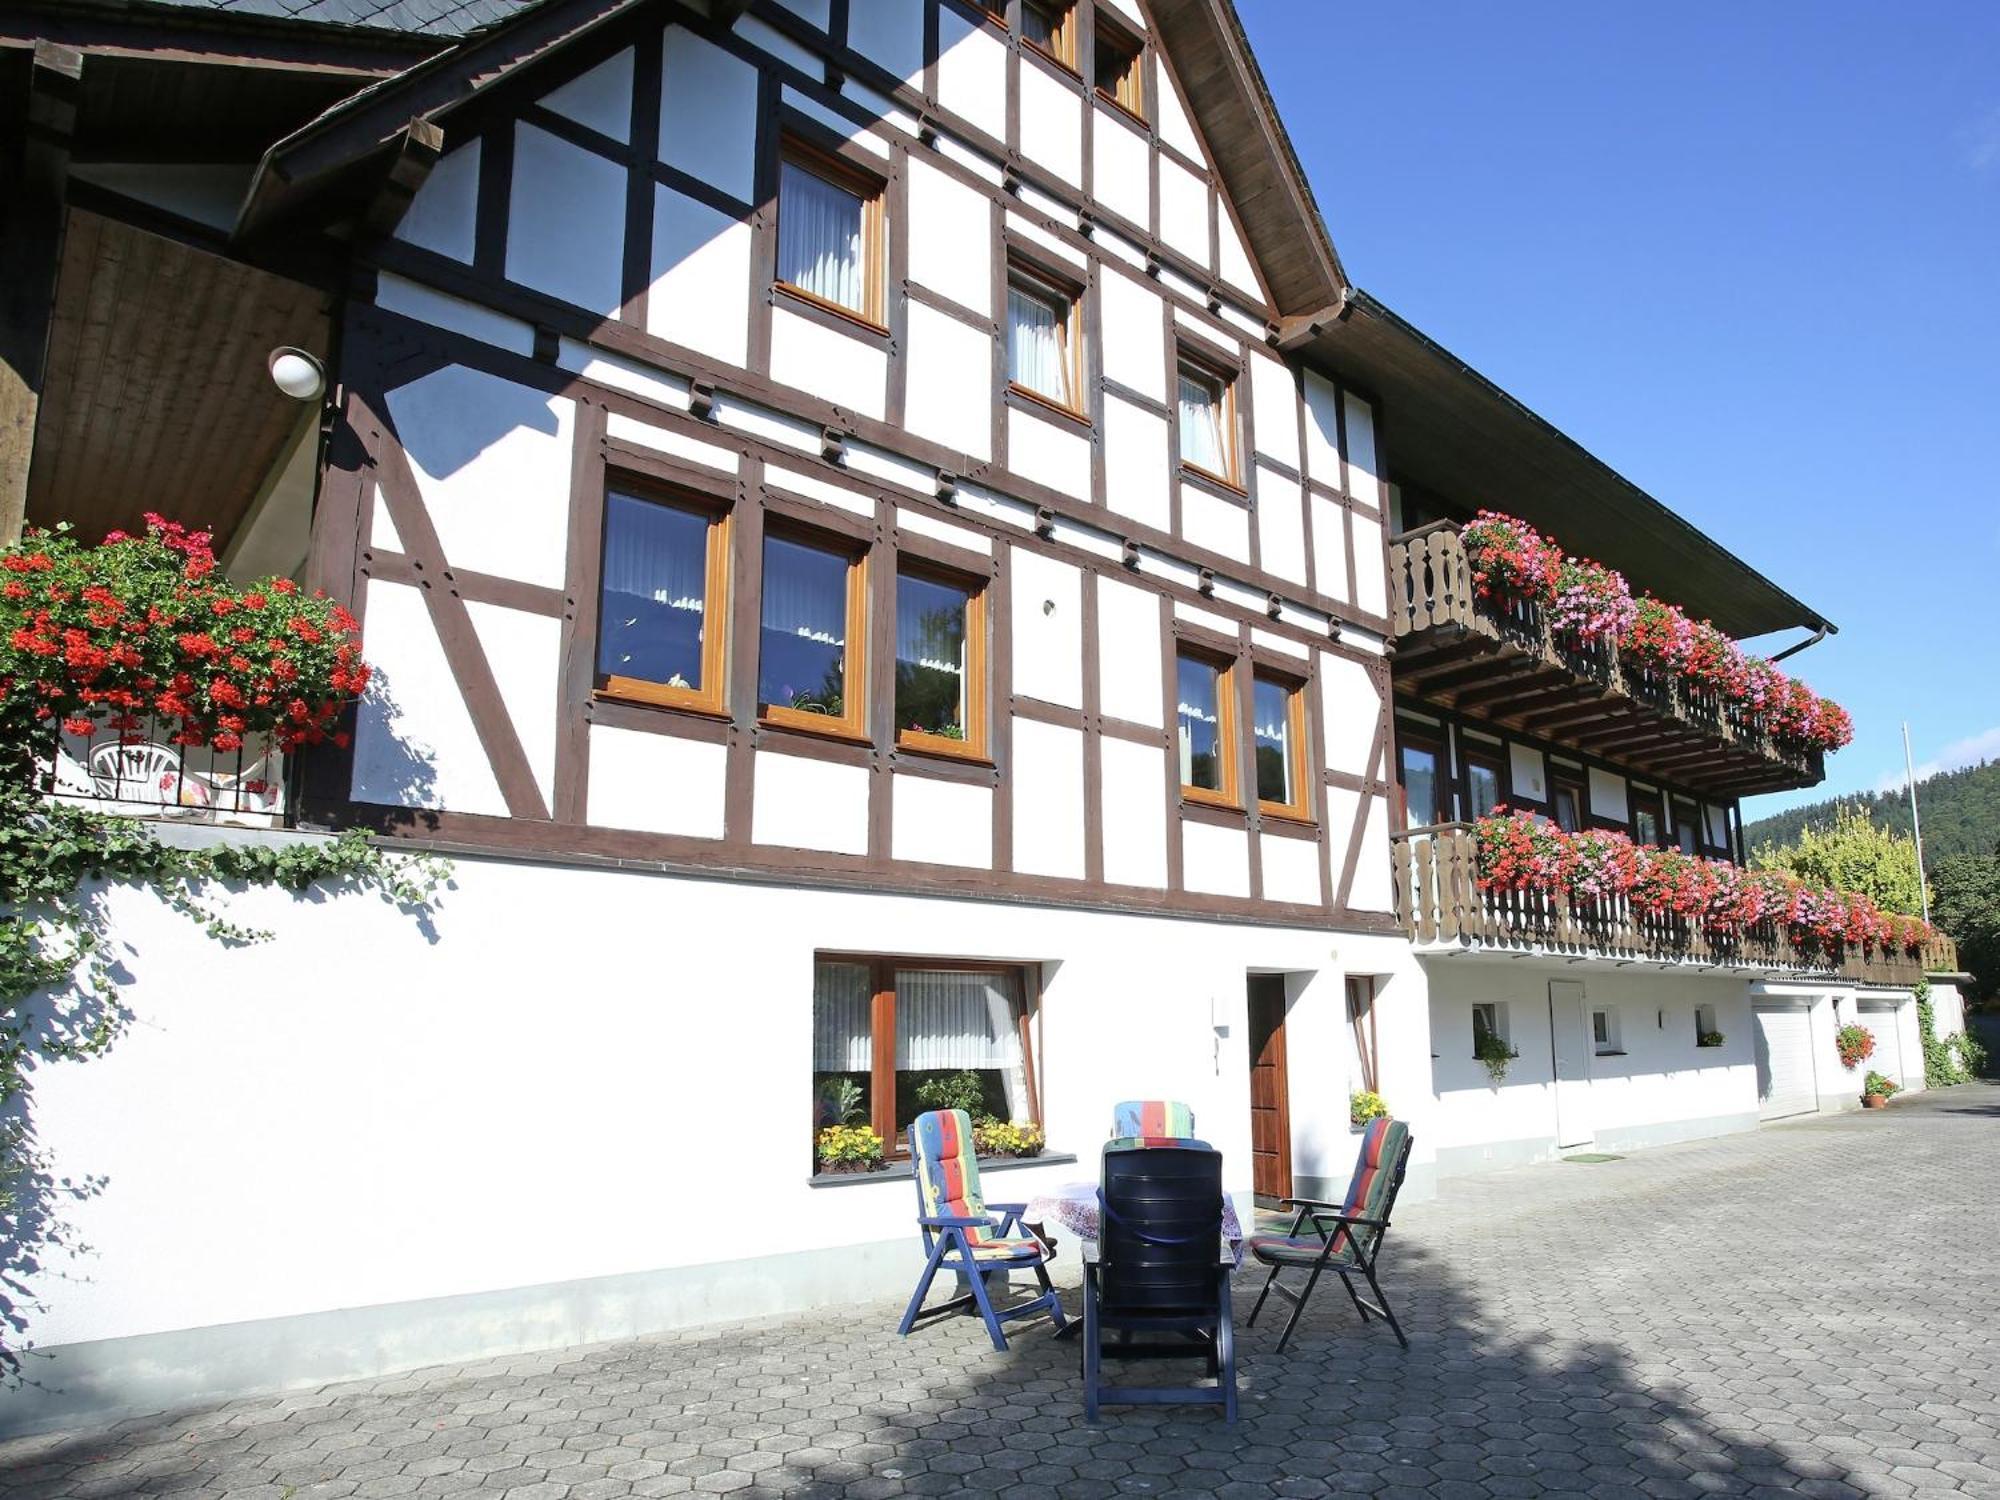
column 1036, row 335
column 842, row 1003
column 952, row 1019
column 819, row 237
column 655, row 552
column 1201, row 425
column 805, row 591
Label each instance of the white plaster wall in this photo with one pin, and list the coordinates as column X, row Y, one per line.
column 524, row 651
column 1607, row 795
column 1352, row 712
column 1135, row 820
column 922, row 523
column 444, row 213
column 1234, row 261
column 1217, row 524
column 1215, row 860
column 414, row 742
column 1329, row 546
column 412, row 300
column 1281, row 538
column 491, row 460
column 1120, row 167
column 655, row 783
column 941, row 822
column 951, row 251
column 1046, row 453
column 1135, row 347
column 1374, row 888
column 1051, row 125
column 559, row 205
column 949, row 394
column 1322, row 404
column 600, row 98
column 1048, row 628
column 708, row 113
column 1129, row 653
column 1664, row 1084
column 1184, row 210
column 828, row 364
column 1175, row 127
column 1371, row 565
column 1048, row 799
column 1136, row 479
column 809, row 804
column 972, row 71
column 1290, row 868
column 700, row 292
column 1361, row 461
column 1529, row 773
column 1274, row 398
column 891, row 34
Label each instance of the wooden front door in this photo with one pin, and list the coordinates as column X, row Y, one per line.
column 1270, row 1105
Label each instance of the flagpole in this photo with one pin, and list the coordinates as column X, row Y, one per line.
column 1916, row 828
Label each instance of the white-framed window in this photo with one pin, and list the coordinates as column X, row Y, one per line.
column 1707, row 1033
column 1489, row 1019
column 1604, row 1032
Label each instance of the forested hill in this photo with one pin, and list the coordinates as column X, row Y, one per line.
column 1960, row 809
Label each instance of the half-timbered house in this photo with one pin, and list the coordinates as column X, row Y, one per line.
column 874, row 525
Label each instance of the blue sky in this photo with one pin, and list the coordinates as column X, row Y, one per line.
column 1748, row 255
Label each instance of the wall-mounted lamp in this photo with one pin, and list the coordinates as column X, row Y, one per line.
column 296, row 373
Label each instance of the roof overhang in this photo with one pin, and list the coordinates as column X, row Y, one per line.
column 1449, row 429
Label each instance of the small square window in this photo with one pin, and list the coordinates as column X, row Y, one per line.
column 1120, row 67
column 1206, row 728
column 810, row 659
column 1278, row 723
column 1050, row 27
column 831, row 233
column 662, row 602
column 1206, row 409
column 940, row 664
column 1044, row 350
column 1485, row 782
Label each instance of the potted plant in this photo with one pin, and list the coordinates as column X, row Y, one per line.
column 991, row 1137
column 1876, row 1090
column 1856, row 1044
column 1708, row 1039
column 1494, row 1053
column 1364, row 1105
column 848, row 1148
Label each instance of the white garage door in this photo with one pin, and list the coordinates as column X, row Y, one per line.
column 1888, row 1058
column 1785, row 1083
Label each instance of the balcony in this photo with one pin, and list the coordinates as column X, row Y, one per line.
column 1504, row 663
column 1443, row 908
column 145, row 775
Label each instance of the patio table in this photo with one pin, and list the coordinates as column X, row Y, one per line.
column 1074, row 1206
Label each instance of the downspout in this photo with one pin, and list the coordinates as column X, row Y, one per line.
column 1812, row 640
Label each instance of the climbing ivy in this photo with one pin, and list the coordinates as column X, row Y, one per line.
column 1947, row 1060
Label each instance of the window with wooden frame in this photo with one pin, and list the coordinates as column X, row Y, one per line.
column 1687, row 826
column 1045, row 337
column 1485, row 777
column 1049, row 26
column 1205, row 412
column 1569, row 799
column 1649, row 821
column 663, row 599
column 1205, row 692
column 940, row 661
column 1361, row 1016
column 832, row 233
column 1420, row 770
column 811, row 652
column 1118, row 66
column 1278, row 736
column 893, row 1037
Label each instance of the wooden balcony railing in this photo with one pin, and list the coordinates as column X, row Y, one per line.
column 1504, row 661
column 1440, row 903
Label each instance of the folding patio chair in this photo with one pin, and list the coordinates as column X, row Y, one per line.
column 1150, row 1122
column 964, row 1234
column 1159, row 1266
column 1345, row 1237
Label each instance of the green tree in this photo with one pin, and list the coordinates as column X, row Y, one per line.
column 1852, row 853
column 1965, row 902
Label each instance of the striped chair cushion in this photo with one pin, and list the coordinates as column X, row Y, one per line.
column 1283, row 1250
column 947, row 1170
column 1129, row 1142
column 1152, row 1119
column 1374, row 1171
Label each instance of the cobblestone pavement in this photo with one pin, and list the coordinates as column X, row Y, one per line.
column 1801, row 1311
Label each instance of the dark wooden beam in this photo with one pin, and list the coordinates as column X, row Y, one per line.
column 34, row 160
column 417, row 151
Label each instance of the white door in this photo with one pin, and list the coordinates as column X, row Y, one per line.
column 1888, row 1058
column 1785, row 1081
column 1569, row 1040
